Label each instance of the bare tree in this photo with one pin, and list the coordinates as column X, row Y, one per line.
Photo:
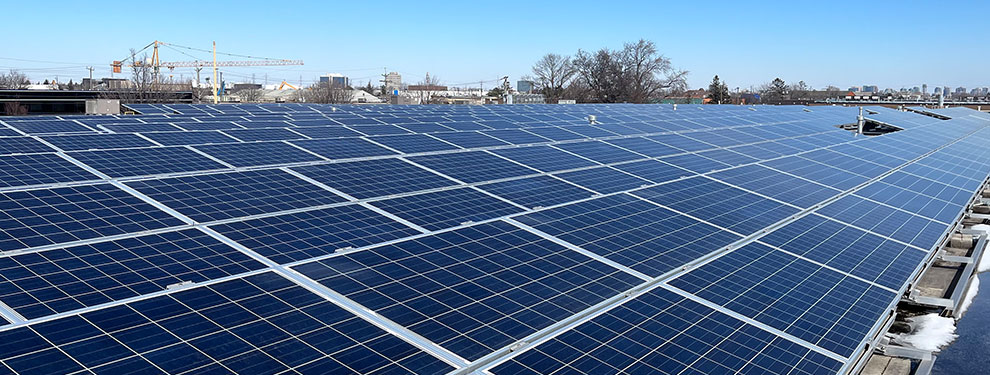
column 327, row 93
column 13, row 80
column 649, row 72
column 637, row 74
column 145, row 85
column 251, row 95
column 14, row 109
column 552, row 74
column 429, row 87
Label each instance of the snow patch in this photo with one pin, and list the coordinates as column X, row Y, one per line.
column 984, row 265
column 929, row 332
column 974, row 288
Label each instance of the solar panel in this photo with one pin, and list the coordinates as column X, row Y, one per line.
column 38, row 169
column 539, row 191
column 49, row 216
column 535, row 259
column 446, row 208
column 848, row 249
column 413, row 143
column 473, row 290
column 212, row 197
column 303, row 235
column 632, row 232
column 720, row 204
column 599, row 151
column 373, row 178
column 661, row 332
column 813, row 303
column 252, row 135
column 256, row 324
column 96, row 141
column 344, row 148
column 62, row 280
column 146, row 161
column 22, row 145
column 474, row 166
column 261, row 153
column 544, row 158
column 603, row 180
column 470, row 139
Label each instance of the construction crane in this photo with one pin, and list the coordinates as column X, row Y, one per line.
column 156, row 63
column 284, row 83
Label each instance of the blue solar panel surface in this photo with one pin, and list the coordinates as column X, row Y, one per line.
column 516, row 239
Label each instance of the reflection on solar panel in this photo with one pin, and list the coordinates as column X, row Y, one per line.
column 473, row 290
column 303, row 238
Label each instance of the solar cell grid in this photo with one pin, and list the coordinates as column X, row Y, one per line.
column 212, row 197
column 55, row 281
column 22, row 145
column 257, row 324
column 539, row 191
column 632, row 232
column 719, row 204
column 812, row 303
column 344, row 148
column 50, row 216
column 303, row 235
column 189, row 138
column 470, row 139
column 473, row 166
column 49, row 126
column 252, row 135
column 599, row 151
column 372, row 178
column 544, row 158
column 848, row 249
column 261, row 153
column 473, row 290
column 146, row 161
column 603, row 180
column 38, row 169
column 413, row 143
column 446, row 208
column 660, row 332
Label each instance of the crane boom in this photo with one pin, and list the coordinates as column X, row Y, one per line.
column 199, row 64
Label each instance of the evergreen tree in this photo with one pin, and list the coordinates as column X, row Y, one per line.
column 718, row 92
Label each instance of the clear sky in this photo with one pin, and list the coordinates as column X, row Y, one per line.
column 843, row 43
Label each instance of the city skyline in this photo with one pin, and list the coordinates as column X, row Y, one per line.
column 463, row 44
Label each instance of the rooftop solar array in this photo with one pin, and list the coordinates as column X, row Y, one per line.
column 521, row 239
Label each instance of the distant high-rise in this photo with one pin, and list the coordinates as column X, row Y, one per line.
column 871, row 88
column 525, row 86
column 855, row 89
column 924, row 89
column 393, row 81
column 335, row 79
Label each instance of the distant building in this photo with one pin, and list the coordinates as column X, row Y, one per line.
column 871, row 88
column 525, row 86
column 960, row 90
column 393, row 81
column 335, row 79
column 924, row 89
column 854, row 89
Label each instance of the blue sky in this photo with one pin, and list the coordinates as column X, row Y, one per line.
column 887, row 43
